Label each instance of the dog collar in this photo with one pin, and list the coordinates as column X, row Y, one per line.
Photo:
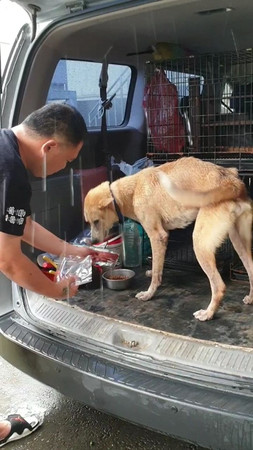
column 116, row 206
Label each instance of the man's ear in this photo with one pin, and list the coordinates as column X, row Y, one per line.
column 49, row 145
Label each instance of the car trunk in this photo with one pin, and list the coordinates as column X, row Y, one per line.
column 184, row 290
column 162, row 333
column 171, row 309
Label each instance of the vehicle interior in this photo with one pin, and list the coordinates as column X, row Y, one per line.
column 155, row 81
column 203, row 49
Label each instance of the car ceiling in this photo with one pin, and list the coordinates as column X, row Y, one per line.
column 200, row 26
column 181, row 24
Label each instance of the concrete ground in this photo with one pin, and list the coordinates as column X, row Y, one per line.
column 69, row 425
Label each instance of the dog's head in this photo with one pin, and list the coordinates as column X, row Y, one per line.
column 99, row 211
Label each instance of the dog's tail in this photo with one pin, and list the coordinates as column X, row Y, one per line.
column 199, row 199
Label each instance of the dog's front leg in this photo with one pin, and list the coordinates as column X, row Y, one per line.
column 158, row 242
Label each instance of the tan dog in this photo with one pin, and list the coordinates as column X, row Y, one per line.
column 172, row 196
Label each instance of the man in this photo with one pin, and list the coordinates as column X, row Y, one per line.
column 42, row 144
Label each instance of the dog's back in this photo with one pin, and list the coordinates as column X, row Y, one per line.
column 196, row 183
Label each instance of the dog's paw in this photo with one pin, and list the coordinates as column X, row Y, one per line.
column 144, row 296
column 148, row 273
column 203, row 314
column 248, row 300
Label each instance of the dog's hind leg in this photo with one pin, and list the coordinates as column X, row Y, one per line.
column 211, row 228
column 159, row 240
column 241, row 238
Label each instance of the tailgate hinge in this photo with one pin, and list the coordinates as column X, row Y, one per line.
column 76, row 6
column 33, row 10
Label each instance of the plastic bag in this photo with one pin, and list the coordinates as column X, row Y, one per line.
column 129, row 169
column 83, row 238
column 162, row 110
column 76, row 266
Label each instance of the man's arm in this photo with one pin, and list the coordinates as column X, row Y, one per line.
column 20, row 269
column 42, row 239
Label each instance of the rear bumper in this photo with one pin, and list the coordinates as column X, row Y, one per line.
column 207, row 417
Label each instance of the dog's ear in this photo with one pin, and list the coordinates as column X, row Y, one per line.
column 105, row 202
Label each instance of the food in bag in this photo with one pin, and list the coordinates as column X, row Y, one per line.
column 80, row 268
column 84, row 269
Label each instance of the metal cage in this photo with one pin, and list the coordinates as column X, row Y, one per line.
column 201, row 105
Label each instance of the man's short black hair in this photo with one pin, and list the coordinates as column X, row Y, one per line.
column 58, row 119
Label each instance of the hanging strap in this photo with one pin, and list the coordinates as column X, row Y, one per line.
column 105, row 104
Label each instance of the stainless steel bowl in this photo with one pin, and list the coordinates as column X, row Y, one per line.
column 113, row 278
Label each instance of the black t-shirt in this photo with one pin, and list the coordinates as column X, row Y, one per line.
column 15, row 188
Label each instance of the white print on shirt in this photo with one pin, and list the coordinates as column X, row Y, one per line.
column 15, row 216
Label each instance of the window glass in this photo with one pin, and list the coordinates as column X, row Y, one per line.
column 77, row 83
column 181, row 81
column 226, row 102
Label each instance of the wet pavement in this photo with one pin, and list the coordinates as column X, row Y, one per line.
column 69, row 425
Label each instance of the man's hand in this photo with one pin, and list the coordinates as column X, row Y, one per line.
column 67, row 288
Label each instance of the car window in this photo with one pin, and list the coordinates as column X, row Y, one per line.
column 77, row 83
